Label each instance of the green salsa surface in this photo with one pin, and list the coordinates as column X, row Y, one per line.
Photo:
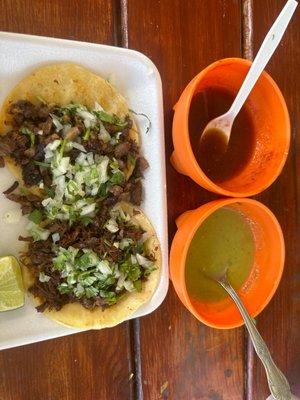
column 223, row 240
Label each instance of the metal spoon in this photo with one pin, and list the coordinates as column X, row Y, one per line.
column 219, row 129
column 278, row 384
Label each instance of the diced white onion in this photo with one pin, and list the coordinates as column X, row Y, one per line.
column 89, row 119
column 81, row 159
column 56, row 122
column 55, row 237
column 98, row 107
column 78, row 146
column 43, row 277
column 103, row 267
column 143, row 261
column 47, row 201
column 103, row 134
column 112, row 225
column 128, row 285
column 133, row 259
column 90, row 158
column 53, row 145
column 88, row 209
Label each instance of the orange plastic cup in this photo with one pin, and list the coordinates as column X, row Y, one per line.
column 269, row 113
column 264, row 276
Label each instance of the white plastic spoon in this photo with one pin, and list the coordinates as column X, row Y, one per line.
column 219, row 129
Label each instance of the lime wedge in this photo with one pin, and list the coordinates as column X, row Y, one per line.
column 11, row 285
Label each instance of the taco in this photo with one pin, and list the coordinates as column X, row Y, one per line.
column 99, row 277
column 67, row 103
column 93, row 258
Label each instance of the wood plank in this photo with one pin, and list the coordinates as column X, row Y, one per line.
column 69, row 19
column 82, row 366
column 279, row 323
column 193, row 361
column 91, row 365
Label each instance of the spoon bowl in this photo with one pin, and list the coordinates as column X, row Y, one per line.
column 218, row 130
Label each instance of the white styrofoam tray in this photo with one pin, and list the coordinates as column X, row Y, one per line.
column 137, row 78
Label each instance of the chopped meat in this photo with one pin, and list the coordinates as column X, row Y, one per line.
column 46, row 126
column 110, row 201
column 58, row 226
column 79, row 123
column 24, row 110
column 7, row 145
column 73, row 154
column 43, row 112
column 116, row 190
column 90, row 304
column 70, row 237
column 125, row 196
column 31, row 174
column 135, row 234
column 29, row 153
column 142, row 164
column 136, row 193
column 122, row 149
column 11, row 188
column 47, row 177
column 73, row 133
column 39, row 152
column 28, row 204
column 25, row 239
column 122, row 164
column 51, row 138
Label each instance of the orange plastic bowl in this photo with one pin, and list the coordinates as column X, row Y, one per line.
column 270, row 117
column 265, row 274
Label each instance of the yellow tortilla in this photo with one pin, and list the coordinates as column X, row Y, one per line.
column 63, row 84
column 74, row 315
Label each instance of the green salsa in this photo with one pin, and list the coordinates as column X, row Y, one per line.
column 224, row 240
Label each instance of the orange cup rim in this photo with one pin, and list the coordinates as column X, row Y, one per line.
column 213, row 207
column 188, row 94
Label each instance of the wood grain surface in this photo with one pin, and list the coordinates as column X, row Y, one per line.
column 174, row 347
column 280, row 323
column 171, row 355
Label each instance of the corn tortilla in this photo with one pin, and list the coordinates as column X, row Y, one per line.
column 74, row 315
column 63, row 84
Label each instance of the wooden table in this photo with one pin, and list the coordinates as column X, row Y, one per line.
column 168, row 355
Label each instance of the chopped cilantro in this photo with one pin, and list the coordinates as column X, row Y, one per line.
column 26, row 131
column 131, row 159
column 110, row 119
column 62, row 147
column 42, row 164
column 87, row 134
column 138, row 285
column 117, row 178
column 35, row 216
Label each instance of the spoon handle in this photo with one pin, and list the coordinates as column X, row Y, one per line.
column 264, row 54
column 278, row 383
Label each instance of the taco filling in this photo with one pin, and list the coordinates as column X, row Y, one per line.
column 82, row 153
column 80, row 249
column 94, row 266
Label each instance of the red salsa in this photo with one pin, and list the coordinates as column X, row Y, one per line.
column 218, row 165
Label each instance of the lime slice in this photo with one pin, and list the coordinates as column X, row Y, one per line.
column 11, row 285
